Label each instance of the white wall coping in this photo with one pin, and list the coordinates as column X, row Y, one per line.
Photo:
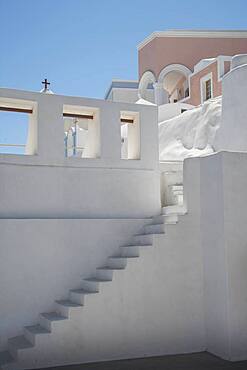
column 203, row 64
column 27, row 96
column 194, row 33
column 239, row 60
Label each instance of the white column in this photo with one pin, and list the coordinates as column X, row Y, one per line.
column 50, row 127
column 160, row 94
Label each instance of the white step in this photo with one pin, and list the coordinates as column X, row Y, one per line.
column 17, row 344
column 50, row 320
column 176, row 209
column 133, row 250
column 154, row 229
column 106, row 272
column 79, row 295
column 66, row 308
column 119, row 261
column 146, row 238
column 142, row 239
column 5, row 358
column 166, row 219
column 93, row 284
column 33, row 332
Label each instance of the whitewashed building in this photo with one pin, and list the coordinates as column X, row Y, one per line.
column 109, row 253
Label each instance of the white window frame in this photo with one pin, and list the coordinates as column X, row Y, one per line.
column 203, row 80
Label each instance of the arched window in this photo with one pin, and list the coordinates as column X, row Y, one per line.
column 174, row 79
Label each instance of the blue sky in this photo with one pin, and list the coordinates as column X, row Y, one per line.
column 80, row 45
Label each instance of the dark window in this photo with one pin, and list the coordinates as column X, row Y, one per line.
column 208, row 88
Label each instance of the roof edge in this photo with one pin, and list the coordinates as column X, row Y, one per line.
column 124, row 83
column 194, row 33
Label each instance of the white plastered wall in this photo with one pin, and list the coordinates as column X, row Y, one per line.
column 124, row 95
column 232, row 134
column 219, row 182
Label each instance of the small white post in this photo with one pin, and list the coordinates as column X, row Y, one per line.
column 160, row 94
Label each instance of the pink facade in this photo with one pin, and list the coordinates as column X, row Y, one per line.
column 195, row 83
column 179, row 87
column 163, row 51
column 227, row 66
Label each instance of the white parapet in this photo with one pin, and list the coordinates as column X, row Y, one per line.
column 101, row 185
column 232, row 134
column 239, row 60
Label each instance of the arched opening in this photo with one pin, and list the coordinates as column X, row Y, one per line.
column 146, row 86
column 174, row 80
column 176, row 84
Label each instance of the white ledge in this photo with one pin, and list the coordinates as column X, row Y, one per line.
column 194, row 33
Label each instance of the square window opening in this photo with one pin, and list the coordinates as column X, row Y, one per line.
column 206, row 88
column 17, row 129
column 81, row 132
column 130, row 135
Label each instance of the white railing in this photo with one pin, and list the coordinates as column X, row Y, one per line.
column 13, row 145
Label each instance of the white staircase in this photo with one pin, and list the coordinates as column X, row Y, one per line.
column 51, row 326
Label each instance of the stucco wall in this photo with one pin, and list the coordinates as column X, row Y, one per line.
column 124, row 95
column 219, row 182
column 214, row 256
column 232, row 134
column 227, row 67
column 235, row 183
column 28, row 191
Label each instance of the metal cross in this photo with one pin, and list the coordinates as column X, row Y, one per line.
column 46, row 83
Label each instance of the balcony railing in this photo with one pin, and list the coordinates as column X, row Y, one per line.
column 13, row 145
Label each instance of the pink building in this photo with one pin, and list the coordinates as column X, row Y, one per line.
column 181, row 66
column 187, row 66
